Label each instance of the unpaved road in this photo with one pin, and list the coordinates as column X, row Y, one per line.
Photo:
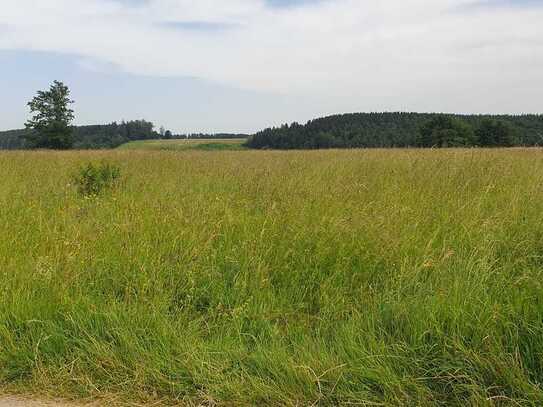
column 12, row 401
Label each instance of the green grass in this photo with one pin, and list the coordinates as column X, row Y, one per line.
column 397, row 277
column 183, row 145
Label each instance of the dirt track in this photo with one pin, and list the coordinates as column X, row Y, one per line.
column 9, row 401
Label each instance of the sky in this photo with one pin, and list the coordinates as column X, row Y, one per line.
column 242, row 65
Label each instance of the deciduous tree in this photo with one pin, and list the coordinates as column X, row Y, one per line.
column 51, row 120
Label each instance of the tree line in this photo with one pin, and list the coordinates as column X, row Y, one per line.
column 108, row 136
column 50, row 127
column 387, row 130
column 84, row 137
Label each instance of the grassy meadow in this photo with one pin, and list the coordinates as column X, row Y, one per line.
column 362, row 277
column 183, row 145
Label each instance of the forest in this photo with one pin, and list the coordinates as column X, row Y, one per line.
column 355, row 130
column 89, row 137
column 107, row 136
column 387, row 130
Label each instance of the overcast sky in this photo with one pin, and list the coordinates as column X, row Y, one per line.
column 241, row 65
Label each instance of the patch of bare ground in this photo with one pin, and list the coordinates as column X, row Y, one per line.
column 19, row 401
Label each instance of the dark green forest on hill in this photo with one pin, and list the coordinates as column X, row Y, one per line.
column 356, row 130
column 385, row 130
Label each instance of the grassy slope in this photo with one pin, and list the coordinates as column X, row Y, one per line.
column 394, row 277
column 182, row 145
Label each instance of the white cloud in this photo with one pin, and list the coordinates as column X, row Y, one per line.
column 340, row 49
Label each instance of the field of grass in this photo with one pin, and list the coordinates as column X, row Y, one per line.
column 397, row 277
column 191, row 144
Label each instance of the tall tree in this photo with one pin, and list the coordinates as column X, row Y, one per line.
column 51, row 120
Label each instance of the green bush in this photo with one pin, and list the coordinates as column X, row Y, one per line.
column 92, row 179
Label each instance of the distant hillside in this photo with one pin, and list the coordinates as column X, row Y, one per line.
column 111, row 135
column 374, row 130
column 86, row 137
column 213, row 136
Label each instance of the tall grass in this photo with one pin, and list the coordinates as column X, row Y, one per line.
column 246, row 278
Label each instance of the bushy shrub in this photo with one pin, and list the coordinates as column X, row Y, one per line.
column 92, row 179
